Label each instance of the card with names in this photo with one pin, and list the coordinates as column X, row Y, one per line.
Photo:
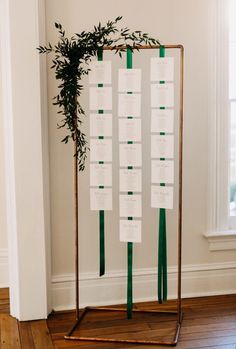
column 162, row 120
column 129, row 80
column 130, row 155
column 100, row 150
column 100, row 98
column 130, row 130
column 162, row 146
column 162, row 95
column 130, row 205
column 130, row 231
column 129, row 104
column 130, row 180
column 162, row 69
column 100, row 72
column 162, row 197
column 100, row 125
column 162, row 171
column 101, row 199
column 100, row 174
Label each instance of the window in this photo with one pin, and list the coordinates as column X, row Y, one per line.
column 221, row 229
column 232, row 108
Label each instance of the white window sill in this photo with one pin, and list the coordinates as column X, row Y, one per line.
column 220, row 241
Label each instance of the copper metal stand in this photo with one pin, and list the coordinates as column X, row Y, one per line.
column 178, row 313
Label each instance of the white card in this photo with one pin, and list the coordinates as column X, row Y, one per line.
column 130, row 180
column 162, row 197
column 162, row 69
column 100, row 72
column 100, row 150
column 162, row 95
column 162, row 146
column 130, row 130
column 129, row 80
column 100, row 174
column 130, row 155
column 100, row 125
column 100, row 98
column 162, row 120
column 130, row 231
column 129, row 104
column 130, row 205
column 162, row 171
column 100, row 199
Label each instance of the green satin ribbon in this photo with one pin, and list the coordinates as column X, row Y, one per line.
column 101, row 212
column 129, row 65
column 162, row 244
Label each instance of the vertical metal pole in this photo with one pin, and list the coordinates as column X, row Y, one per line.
column 76, row 227
column 181, row 113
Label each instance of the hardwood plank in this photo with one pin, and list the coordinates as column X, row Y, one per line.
column 41, row 335
column 9, row 332
column 26, row 337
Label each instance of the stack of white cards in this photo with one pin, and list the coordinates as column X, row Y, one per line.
column 100, row 136
column 162, row 129
column 130, row 154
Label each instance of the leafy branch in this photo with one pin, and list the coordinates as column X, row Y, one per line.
column 71, row 62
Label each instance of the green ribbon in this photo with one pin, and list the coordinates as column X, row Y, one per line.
column 162, row 244
column 129, row 65
column 101, row 212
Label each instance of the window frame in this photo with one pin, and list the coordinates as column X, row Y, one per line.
column 220, row 234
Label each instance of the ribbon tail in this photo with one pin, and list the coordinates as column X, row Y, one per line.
column 102, row 243
column 164, row 266
column 130, row 280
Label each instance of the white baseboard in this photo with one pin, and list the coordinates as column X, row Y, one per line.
column 197, row 281
column 4, row 281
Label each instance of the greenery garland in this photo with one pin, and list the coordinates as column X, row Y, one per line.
column 71, row 63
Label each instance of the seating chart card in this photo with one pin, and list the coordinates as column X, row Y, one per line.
column 162, row 120
column 162, row 197
column 130, row 231
column 130, row 205
column 100, row 150
column 100, row 125
column 162, row 95
column 130, row 130
column 100, row 98
column 130, row 155
column 129, row 80
column 162, row 171
column 130, row 180
column 162, row 146
column 129, row 105
column 101, row 199
column 100, row 72
column 162, row 69
column 100, row 174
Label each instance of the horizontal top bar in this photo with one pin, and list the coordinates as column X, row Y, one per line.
column 143, row 47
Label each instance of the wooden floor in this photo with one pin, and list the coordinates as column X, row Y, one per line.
column 209, row 322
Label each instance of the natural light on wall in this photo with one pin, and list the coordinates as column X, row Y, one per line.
column 232, row 101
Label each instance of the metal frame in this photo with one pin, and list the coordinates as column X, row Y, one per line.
column 178, row 312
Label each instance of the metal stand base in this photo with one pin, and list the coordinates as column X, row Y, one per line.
column 70, row 335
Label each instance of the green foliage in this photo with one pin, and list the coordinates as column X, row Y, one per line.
column 71, row 62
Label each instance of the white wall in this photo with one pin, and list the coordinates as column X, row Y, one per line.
column 182, row 21
column 3, row 227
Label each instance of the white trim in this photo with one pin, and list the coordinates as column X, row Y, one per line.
column 4, row 280
column 218, row 234
column 26, row 176
column 197, row 280
column 218, row 124
column 222, row 241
